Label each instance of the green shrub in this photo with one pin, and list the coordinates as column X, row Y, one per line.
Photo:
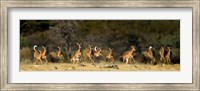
column 24, row 42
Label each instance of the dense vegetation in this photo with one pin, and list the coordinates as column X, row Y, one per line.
column 116, row 34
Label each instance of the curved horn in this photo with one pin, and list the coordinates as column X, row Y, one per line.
column 77, row 43
column 110, row 49
column 95, row 48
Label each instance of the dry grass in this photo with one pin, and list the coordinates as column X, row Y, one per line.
column 98, row 67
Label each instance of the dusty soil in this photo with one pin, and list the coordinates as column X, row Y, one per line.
column 99, row 67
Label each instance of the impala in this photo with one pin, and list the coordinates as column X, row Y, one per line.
column 44, row 54
column 57, row 55
column 89, row 53
column 109, row 56
column 76, row 57
column 162, row 54
column 168, row 55
column 97, row 56
column 97, row 52
column 149, row 54
column 128, row 54
column 37, row 55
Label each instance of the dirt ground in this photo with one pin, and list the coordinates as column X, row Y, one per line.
column 99, row 67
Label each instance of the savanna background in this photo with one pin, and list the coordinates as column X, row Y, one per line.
column 116, row 34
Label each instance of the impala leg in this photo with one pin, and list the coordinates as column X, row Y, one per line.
column 90, row 59
column 161, row 60
column 112, row 59
column 35, row 61
column 126, row 60
column 154, row 60
column 46, row 61
column 166, row 60
column 169, row 61
column 40, row 61
column 74, row 61
column 133, row 59
column 151, row 60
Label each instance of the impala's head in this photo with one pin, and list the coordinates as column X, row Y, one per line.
column 58, row 47
column 168, row 48
column 44, row 47
column 79, row 45
column 89, row 46
column 99, row 52
column 133, row 48
column 110, row 49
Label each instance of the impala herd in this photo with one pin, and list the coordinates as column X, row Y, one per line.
column 92, row 53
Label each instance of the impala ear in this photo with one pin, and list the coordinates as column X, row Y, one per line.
column 58, row 47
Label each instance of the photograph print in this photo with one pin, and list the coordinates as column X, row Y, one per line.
column 100, row 45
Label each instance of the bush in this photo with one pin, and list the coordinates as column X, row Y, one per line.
column 25, row 55
column 175, row 56
column 23, row 42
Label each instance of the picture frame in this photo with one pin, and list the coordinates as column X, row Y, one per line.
column 6, row 4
